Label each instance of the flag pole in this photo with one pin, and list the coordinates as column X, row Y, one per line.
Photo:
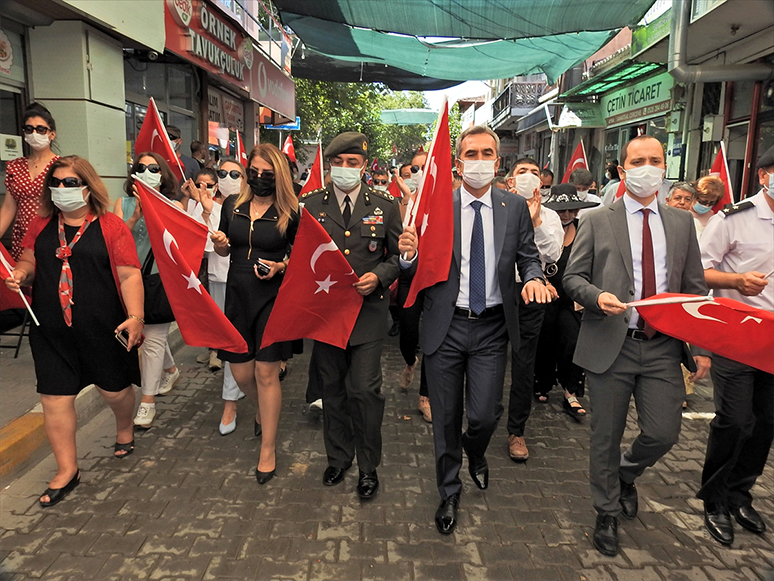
column 10, row 269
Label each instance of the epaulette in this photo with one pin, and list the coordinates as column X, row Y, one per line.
column 729, row 209
column 313, row 192
column 385, row 195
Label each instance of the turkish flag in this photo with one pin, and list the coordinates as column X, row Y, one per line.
column 720, row 169
column 375, row 164
column 433, row 213
column 8, row 298
column 394, row 190
column 288, row 148
column 316, row 300
column 315, row 179
column 577, row 161
column 153, row 137
column 241, row 154
column 178, row 243
column 724, row 326
column 621, row 189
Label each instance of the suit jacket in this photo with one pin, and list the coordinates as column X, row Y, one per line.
column 369, row 243
column 601, row 260
column 514, row 240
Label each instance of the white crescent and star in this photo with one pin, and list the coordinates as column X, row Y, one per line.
column 327, row 247
column 193, row 282
column 325, row 285
column 693, row 310
column 168, row 241
column 154, row 135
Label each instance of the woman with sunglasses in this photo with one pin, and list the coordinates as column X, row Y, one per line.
column 87, row 291
column 158, row 369
column 257, row 228
column 24, row 176
column 709, row 191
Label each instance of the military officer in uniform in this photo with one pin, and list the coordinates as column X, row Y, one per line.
column 365, row 224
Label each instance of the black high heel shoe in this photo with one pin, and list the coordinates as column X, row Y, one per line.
column 264, row 477
column 257, row 429
column 56, row 495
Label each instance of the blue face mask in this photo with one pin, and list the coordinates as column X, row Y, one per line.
column 700, row 209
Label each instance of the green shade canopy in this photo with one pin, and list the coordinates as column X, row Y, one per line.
column 472, row 19
column 454, row 60
column 409, row 116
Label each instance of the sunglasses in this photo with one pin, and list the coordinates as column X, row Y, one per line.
column 66, row 182
column 173, row 137
column 151, row 167
column 235, row 174
column 706, row 203
column 253, row 173
column 416, row 168
column 41, row 129
column 380, row 182
column 204, row 185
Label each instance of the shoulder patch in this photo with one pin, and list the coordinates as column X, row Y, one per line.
column 381, row 194
column 729, row 209
column 312, row 193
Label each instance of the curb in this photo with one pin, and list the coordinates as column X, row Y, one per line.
column 23, row 441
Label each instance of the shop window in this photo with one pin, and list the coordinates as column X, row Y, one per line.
column 741, row 99
column 181, row 87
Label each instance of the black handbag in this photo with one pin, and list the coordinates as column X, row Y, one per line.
column 157, row 307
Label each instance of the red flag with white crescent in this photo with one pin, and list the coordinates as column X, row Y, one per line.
column 153, row 137
column 288, row 148
column 315, row 179
column 577, row 161
column 375, row 164
column 721, row 325
column 178, row 245
column 720, row 169
column 316, row 300
column 621, row 190
column 394, row 190
column 241, row 154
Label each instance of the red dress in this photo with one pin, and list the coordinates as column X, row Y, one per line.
column 27, row 194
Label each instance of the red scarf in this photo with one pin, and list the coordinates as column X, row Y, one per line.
column 63, row 253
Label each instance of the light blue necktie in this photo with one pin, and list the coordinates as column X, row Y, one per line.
column 477, row 274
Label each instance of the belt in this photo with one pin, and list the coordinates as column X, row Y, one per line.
column 468, row 314
column 639, row 335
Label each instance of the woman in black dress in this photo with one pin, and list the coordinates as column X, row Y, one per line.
column 257, row 228
column 87, row 292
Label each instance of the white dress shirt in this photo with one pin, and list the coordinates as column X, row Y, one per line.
column 549, row 237
column 467, row 215
column 587, row 197
column 340, row 195
column 740, row 243
column 217, row 265
column 634, row 221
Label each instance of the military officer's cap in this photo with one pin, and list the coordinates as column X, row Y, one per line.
column 767, row 159
column 347, row 142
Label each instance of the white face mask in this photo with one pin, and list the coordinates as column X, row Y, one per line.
column 69, row 199
column 478, row 173
column 381, row 188
column 345, row 178
column 526, row 184
column 770, row 189
column 37, row 141
column 643, row 181
column 582, row 194
column 149, row 178
column 411, row 184
column 229, row 186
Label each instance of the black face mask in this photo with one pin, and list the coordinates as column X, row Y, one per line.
column 261, row 187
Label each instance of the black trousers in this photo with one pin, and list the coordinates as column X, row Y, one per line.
column 314, row 383
column 353, row 404
column 409, row 328
column 523, row 364
column 470, row 363
column 740, row 434
column 556, row 346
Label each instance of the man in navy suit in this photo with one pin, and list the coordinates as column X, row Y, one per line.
column 469, row 318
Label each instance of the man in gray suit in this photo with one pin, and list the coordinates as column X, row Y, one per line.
column 469, row 318
column 631, row 250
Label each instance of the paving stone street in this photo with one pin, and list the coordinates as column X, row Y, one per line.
column 186, row 504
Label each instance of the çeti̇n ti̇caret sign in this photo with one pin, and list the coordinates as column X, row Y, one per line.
column 644, row 99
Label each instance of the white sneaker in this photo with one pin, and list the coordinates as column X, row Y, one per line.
column 316, row 404
column 145, row 414
column 168, row 381
column 215, row 363
column 204, row 357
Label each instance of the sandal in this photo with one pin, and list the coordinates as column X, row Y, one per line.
column 575, row 412
column 56, row 495
column 125, row 448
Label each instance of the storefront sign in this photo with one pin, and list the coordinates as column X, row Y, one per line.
column 225, row 110
column 644, row 99
column 580, row 115
column 10, row 147
column 11, row 56
column 272, row 88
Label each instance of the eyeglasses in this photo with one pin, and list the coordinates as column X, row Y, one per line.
column 380, row 182
column 151, row 167
column 235, row 174
column 41, row 129
column 253, row 173
column 204, row 185
column 706, row 203
column 66, row 182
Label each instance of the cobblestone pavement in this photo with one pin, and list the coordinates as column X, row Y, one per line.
column 186, row 504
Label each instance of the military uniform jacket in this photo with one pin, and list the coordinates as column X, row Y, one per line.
column 369, row 242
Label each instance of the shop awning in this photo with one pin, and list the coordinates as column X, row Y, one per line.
column 615, row 78
column 580, row 115
column 540, row 115
column 471, row 19
column 409, row 116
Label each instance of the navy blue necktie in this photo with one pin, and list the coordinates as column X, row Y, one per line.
column 477, row 273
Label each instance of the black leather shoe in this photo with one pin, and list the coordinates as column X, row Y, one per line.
column 264, row 477
column 394, row 330
column 479, row 470
column 628, row 500
column 367, row 485
column 749, row 518
column 257, row 429
column 446, row 515
column 56, row 495
column 718, row 523
column 332, row 475
column 606, row 535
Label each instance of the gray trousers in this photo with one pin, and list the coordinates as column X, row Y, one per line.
column 475, row 353
column 649, row 370
column 353, row 404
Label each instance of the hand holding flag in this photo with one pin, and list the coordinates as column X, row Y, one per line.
column 7, row 265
